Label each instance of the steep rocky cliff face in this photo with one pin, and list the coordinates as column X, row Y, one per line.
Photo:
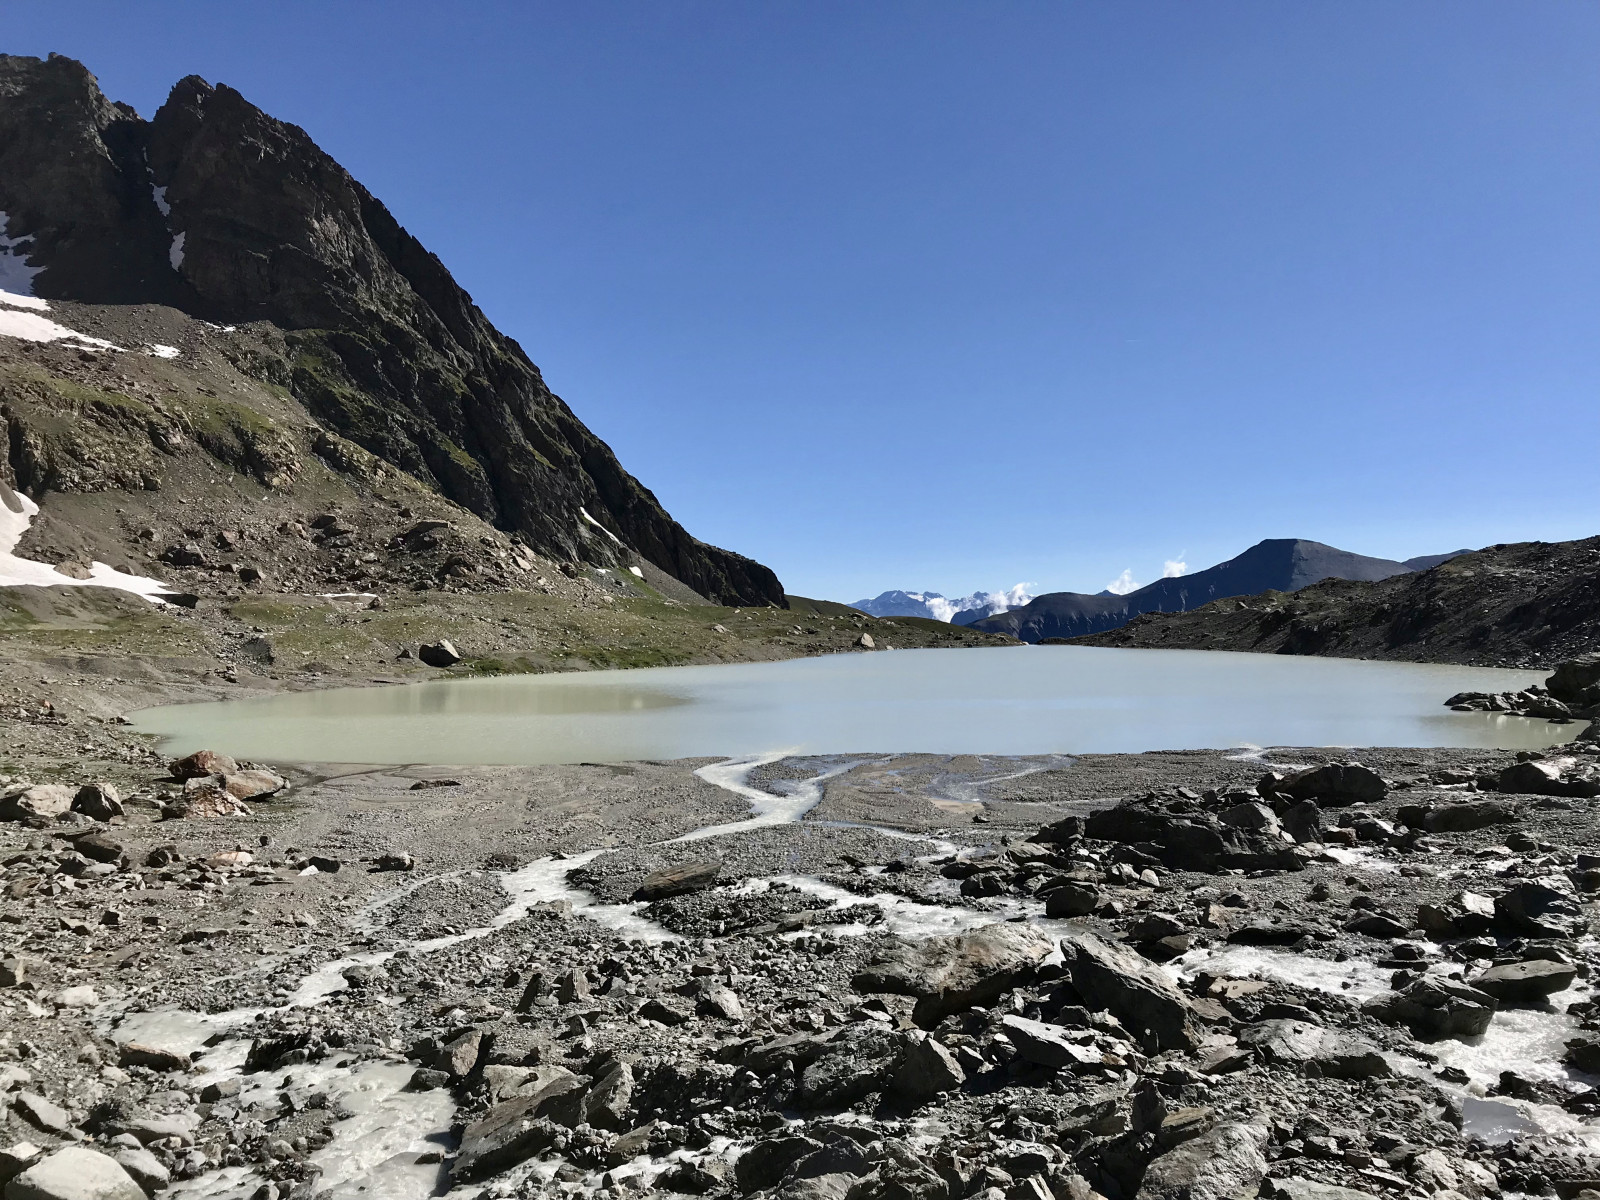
column 219, row 210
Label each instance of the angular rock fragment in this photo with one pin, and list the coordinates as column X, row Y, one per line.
column 74, row 1173
column 202, row 763
column 1071, row 900
column 136, row 1054
column 1466, row 914
column 679, row 880
column 34, row 802
column 926, row 1069
column 1526, row 982
column 1313, row 1049
column 1436, row 1007
column 1226, row 1163
column 253, row 785
column 100, row 801
column 951, row 974
column 1133, row 990
column 1335, row 784
column 1541, row 908
column 439, row 654
column 511, row 1132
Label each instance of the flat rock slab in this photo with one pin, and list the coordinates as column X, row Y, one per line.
column 1526, row 982
column 75, row 1173
column 1221, row 1165
column 951, row 974
column 679, row 880
column 1315, row 1049
column 1132, row 989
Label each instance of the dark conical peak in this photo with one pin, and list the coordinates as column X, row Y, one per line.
column 217, row 208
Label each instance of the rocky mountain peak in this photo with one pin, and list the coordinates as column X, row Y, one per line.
column 216, row 208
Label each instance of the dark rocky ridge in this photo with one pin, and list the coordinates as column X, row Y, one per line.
column 382, row 345
column 1284, row 564
column 1522, row 604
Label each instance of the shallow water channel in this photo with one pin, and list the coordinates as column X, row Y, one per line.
column 1011, row 700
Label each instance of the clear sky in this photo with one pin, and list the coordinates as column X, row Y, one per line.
column 954, row 295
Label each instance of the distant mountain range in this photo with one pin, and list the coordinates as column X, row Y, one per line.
column 964, row 610
column 1277, row 564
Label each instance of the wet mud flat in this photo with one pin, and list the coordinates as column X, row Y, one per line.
column 874, row 976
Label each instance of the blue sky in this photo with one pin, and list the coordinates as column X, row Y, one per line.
column 939, row 295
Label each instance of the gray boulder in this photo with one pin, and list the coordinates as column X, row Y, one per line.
column 1541, row 908
column 101, row 801
column 439, row 654
column 951, row 974
column 1335, row 784
column 1296, row 1188
column 1225, row 1164
column 1577, row 681
column 40, row 801
column 1315, row 1050
column 926, row 1069
column 1463, row 818
column 1466, row 914
column 679, row 880
column 1436, row 1007
column 75, row 1173
column 511, row 1131
column 1526, row 982
column 1133, row 990
column 1045, row 1044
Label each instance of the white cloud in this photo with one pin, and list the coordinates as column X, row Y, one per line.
column 1123, row 584
column 1173, row 568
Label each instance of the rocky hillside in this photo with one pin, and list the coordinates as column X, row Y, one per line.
column 1283, row 564
column 1525, row 604
column 318, row 298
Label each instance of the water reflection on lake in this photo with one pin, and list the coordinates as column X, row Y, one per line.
column 1024, row 700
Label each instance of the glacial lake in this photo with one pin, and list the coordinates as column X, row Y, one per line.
column 1006, row 700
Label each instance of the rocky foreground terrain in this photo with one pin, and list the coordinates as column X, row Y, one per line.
column 1529, row 604
column 1171, row 975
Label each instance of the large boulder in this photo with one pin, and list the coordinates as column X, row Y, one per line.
column 1563, row 775
column 98, row 800
column 1227, row 1163
column 679, row 880
column 1313, row 1049
column 1464, row 818
column 1436, row 1007
column 1193, row 839
column 253, row 785
column 1134, row 990
column 439, row 654
column 201, row 763
column 951, row 974
column 1335, row 784
column 1465, row 914
column 1526, row 982
column 75, row 1173
column 1577, row 681
column 926, row 1069
column 1541, row 908
column 35, row 802
column 512, row 1131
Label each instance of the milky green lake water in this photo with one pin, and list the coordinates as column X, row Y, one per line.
column 1011, row 700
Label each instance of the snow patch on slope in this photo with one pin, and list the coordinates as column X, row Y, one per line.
column 15, row 273
column 16, row 514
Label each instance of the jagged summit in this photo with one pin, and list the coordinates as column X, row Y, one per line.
column 219, row 210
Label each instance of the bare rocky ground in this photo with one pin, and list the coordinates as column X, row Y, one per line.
column 1181, row 974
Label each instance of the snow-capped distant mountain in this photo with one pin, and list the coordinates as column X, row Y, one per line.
column 961, row 611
